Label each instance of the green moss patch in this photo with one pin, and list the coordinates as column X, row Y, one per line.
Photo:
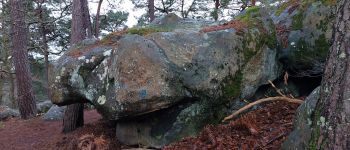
column 260, row 32
column 233, row 87
column 250, row 16
column 297, row 22
column 306, row 55
column 148, row 30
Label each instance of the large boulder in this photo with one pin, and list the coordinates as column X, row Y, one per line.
column 304, row 30
column 299, row 138
column 163, row 86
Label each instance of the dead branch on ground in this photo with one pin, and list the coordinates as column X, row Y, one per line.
column 278, row 98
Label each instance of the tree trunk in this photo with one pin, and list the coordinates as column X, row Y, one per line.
column 25, row 99
column 97, row 22
column 73, row 118
column 81, row 25
column 151, row 10
column 86, row 19
column 44, row 48
column 78, row 28
column 331, row 118
column 216, row 10
column 253, row 2
column 6, row 53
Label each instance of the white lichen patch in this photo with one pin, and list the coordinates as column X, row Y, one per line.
column 76, row 80
column 101, row 100
column 63, row 70
column 105, row 70
column 89, row 92
column 309, row 122
column 322, row 121
column 342, row 55
column 107, row 53
column 90, row 60
column 205, row 36
column 93, row 58
column 58, row 78
column 81, row 58
column 206, row 45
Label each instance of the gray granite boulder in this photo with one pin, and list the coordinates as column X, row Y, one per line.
column 163, row 86
column 305, row 31
column 43, row 106
column 54, row 113
column 299, row 138
column 6, row 112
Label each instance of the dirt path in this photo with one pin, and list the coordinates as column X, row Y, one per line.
column 36, row 134
column 264, row 128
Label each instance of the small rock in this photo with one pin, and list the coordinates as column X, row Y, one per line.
column 6, row 112
column 44, row 106
column 54, row 113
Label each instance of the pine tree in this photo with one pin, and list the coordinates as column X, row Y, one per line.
column 331, row 118
column 25, row 99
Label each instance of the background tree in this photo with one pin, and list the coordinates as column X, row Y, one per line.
column 81, row 29
column 5, row 53
column 97, row 21
column 331, row 118
column 113, row 21
column 215, row 13
column 26, row 99
column 151, row 10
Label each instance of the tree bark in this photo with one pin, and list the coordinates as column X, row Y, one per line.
column 81, row 25
column 216, row 11
column 45, row 48
column 73, row 118
column 151, row 10
column 253, row 2
column 86, row 19
column 331, row 118
column 6, row 53
column 97, row 22
column 25, row 99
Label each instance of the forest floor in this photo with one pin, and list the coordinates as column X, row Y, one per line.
column 264, row 128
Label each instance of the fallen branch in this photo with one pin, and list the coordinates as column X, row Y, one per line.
column 277, row 90
column 279, row 98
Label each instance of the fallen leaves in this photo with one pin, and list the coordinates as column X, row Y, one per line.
column 264, row 128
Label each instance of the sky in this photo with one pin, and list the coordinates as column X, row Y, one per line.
column 125, row 5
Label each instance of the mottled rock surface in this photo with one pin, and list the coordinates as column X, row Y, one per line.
column 54, row 113
column 6, row 112
column 185, row 77
column 43, row 106
column 304, row 30
column 299, row 138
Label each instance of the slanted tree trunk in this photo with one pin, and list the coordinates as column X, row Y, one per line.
column 74, row 114
column 151, row 10
column 97, row 22
column 25, row 99
column 331, row 118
